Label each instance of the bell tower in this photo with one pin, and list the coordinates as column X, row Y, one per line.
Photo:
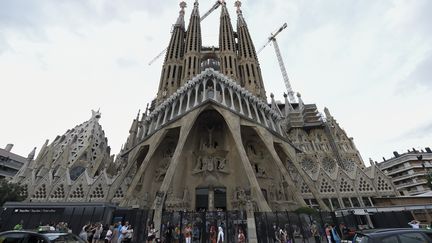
column 192, row 56
column 249, row 68
column 227, row 46
column 173, row 63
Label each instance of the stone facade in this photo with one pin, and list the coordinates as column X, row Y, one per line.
column 211, row 140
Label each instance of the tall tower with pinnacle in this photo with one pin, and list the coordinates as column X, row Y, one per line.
column 192, row 46
column 249, row 68
column 173, row 63
column 227, row 46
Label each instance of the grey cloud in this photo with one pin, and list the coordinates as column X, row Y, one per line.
column 30, row 17
column 421, row 131
column 422, row 74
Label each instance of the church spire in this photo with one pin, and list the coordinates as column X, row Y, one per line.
column 249, row 69
column 173, row 64
column 227, row 45
column 192, row 46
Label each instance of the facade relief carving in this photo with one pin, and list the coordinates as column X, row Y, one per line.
column 164, row 162
column 240, row 198
column 177, row 203
column 211, row 157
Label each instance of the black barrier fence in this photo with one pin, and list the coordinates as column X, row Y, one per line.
column 298, row 227
column 204, row 226
column 294, row 227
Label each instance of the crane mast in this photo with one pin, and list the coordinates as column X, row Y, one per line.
column 213, row 8
column 272, row 39
column 284, row 72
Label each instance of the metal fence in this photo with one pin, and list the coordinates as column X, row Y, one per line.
column 204, row 225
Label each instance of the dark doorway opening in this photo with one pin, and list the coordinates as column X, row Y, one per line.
column 220, row 200
column 201, row 199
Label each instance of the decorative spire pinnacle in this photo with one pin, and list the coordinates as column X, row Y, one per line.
column 32, row 154
column 180, row 20
column 238, row 4
column 300, row 101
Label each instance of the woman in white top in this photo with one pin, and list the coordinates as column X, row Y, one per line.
column 220, row 238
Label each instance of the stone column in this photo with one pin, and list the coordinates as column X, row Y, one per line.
column 251, row 230
column 211, row 199
column 153, row 145
column 186, row 125
column 266, row 138
column 233, row 123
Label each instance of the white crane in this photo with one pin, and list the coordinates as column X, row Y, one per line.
column 272, row 39
column 213, row 8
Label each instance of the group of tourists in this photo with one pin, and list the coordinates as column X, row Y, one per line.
column 329, row 233
column 114, row 233
column 191, row 233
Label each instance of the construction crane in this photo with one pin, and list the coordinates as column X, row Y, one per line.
column 272, row 39
column 213, row 8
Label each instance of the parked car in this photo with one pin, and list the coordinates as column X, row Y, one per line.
column 395, row 235
column 24, row 236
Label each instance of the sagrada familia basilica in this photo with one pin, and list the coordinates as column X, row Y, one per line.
column 212, row 139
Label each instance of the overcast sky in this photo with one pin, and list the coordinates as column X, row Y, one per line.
column 369, row 62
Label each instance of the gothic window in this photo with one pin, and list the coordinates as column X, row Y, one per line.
column 382, row 185
column 305, row 188
column 364, row 186
column 345, row 186
column 78, row 193
column 119, row 193
column 98, row 192
column 59, row 193
column 328, row 164
column 24, row 191
column 75, row 172
column 40, row 193
column 326, row 187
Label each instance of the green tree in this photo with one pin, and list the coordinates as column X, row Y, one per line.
column 10, row 192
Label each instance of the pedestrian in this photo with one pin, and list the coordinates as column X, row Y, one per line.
column 151, row 233
column 129, row 234
column 83, row 234
column 19, row 226
column 315, row 232
column 334, row 235
column 115, row 234
column 177, row 234
column 123, row 231
column 97, row 233
column 188, row 233
column 220, row 238
column 168, row 233
column 213, row 234
column 241, row 237
column 196, row 234
column 328, row 233
column 109, row 234
column 415, row 224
